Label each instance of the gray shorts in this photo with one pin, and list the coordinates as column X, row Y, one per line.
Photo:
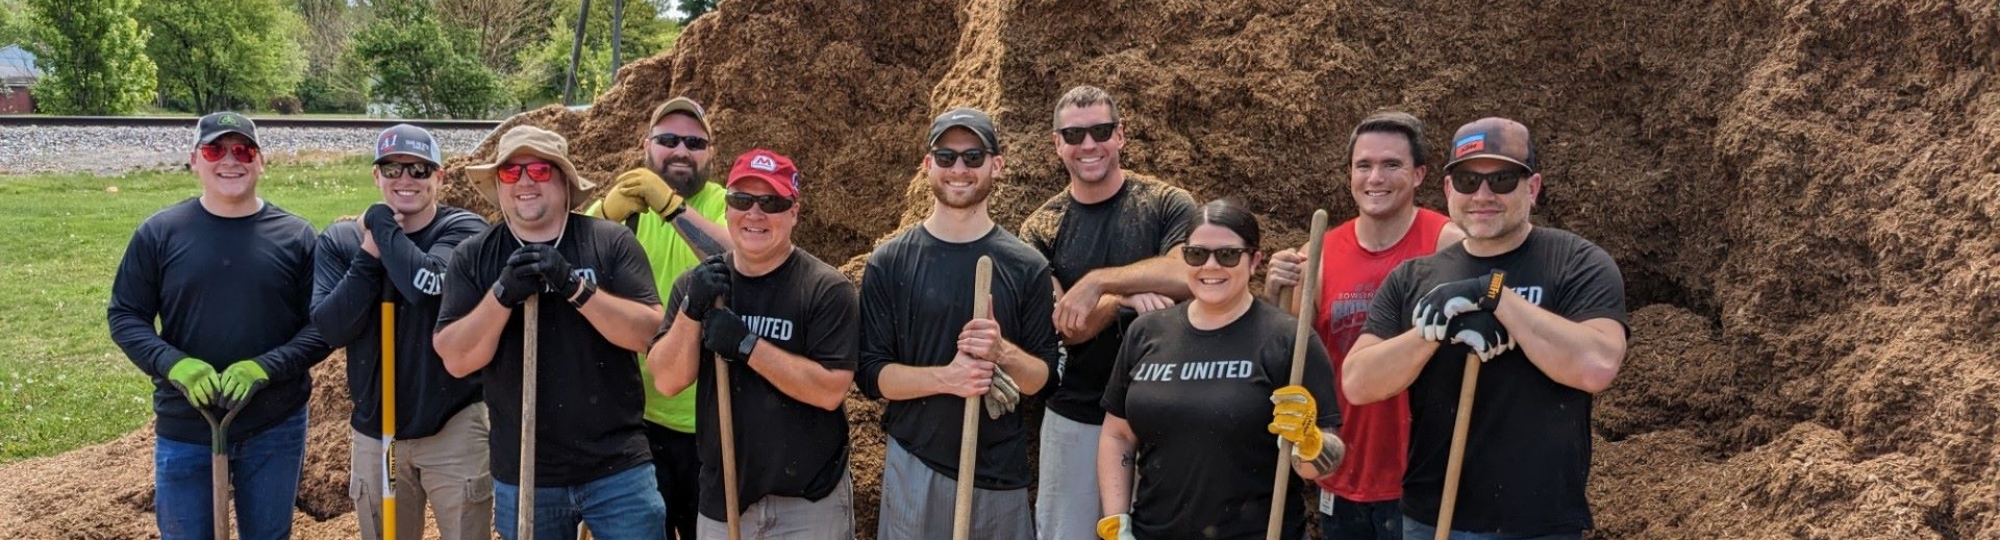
column 791, row 518
column 917, row 504
column 1068, row 507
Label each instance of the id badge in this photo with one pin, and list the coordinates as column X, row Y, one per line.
column 1325, row 502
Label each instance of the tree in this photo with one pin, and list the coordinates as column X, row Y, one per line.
column 223, row 55
column 495, row 30
column 418, row 71
column 692, row 9
column 334, row 80
column 544, row 66
column 92, row 56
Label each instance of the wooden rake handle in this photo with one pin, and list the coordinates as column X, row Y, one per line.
column 1309, row 278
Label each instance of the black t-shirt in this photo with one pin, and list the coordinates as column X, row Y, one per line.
column 347, row 308
column 590, row 396
column 915, row 299
column 224, row 290
column 1527, row 455
column 1145, row 219
column 1199, row 402
column 784, row 446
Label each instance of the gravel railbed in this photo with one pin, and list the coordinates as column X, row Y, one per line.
column 115, row 150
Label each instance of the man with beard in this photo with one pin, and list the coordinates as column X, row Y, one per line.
column 1544, row 308
column 678, row 216
column 1113, row 239
column 401, row 245
column 922, row 349
column 597, row 307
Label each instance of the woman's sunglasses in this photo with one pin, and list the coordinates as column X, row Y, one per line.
column 1502, row 182
column 1227, row 257
column 1099, row 132
column 537, row 171
column 771, row 204
column 213, row 152
column 393, row 170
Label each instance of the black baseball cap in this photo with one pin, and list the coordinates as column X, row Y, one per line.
column 408, row 140
column 215, row 125
column 1492, row 138
column 972, row 120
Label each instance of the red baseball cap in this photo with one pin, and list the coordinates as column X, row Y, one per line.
column 772, row 168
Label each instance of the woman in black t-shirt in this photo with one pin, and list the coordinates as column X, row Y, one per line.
column 1190, row 403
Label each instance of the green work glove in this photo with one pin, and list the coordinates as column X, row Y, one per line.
column 240, row 379
column 196, row 380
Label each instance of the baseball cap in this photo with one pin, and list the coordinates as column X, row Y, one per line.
column 1492, row 138
column 772, row 168
column 972, row 120
column 215, row 125
column 534, row 141
column 408, row 140
column 683, row 105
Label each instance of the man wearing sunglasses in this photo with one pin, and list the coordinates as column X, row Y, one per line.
column 401, row 246
column 1543, row 308
column 922, row 349
column 1387, row 163
column 786, row 325
column 598, row 306
column 228, row 277
column 677, row 214
column 1113, row 238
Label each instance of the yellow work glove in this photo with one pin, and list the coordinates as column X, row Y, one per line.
column 1292, row 414
column 1118, row 527
column 618, row 206
column 645, row 185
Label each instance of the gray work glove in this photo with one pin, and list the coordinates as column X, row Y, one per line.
column 1003, row 396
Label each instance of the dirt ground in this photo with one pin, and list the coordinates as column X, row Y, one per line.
column 1801, row 195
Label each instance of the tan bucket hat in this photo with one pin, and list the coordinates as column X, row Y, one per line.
column 536, row 142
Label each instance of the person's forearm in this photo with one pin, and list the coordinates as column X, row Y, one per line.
column 1101, row 317
column 295, row 357
column 1378, row 369
column 1581, row 355
column 626, row 323
column 1030, row 373
column 704, row 236
column 1115, row 447
column 675, row 359
column 900, row 382
column 1328, row 443
column 467, row 344
column 1165, row 274
column 799, row 377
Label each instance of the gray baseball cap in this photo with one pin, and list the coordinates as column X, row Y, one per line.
column 973, row 120
column 407, row 140
column 215, row 125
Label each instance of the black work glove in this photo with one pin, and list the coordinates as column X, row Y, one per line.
column 1445, row 301
column 553, row 269
column 710, row 280
column 724, row 332
column 1482, row 332
column 520, row 279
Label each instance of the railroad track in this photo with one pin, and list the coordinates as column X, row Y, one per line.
column 267, row 121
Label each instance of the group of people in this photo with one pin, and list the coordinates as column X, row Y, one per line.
column 1120, row 303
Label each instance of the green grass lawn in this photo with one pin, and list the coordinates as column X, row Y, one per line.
column 63, row 383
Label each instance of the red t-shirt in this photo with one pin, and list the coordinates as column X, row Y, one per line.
column 1377, row 434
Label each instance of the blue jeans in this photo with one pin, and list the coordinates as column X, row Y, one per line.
column 263, row 471
column 624, row 505
column 1413, row 530
column 1351, row 520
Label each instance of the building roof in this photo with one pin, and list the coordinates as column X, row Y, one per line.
column 17, row 67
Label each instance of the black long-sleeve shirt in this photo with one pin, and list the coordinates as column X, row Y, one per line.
column 346, row 306
column 224, row 290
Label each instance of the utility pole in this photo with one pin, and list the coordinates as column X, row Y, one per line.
column 575, row 51
column 617, row 25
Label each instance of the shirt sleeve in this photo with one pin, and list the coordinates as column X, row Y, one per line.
column 1594, row 288
column 835, row 329
column 1389, row 314
column 674, row 300
column 1177, row 213
column 415, row 272
column 878, row 328
column 306, row 348
column 635, row 273
column 1120, row 381
column 462, row 288
column 1035, row 332
column 346, row 283
column 135, row 303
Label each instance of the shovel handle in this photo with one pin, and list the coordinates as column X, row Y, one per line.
column 968, row 440
column 1309, row 278
column 531, row 331
column 1456, row 464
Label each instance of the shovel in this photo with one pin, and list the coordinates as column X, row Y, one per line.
column 218, row 454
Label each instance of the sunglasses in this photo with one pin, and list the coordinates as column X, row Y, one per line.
column 393, row 170
column 1100, row 132
column 538, row 171
column 1502, row 182
column 670, row 140
column 771, row 204
column 1227, row 257
column 213, row 152
column 974, row 157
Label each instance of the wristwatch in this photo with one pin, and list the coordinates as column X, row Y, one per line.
column 583, row 293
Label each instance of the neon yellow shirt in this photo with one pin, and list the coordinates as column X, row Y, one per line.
column 670, row 256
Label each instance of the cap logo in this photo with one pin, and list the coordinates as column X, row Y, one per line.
column 764, row 163
column 1467, row 145
column 388, row 141
column 226, row 120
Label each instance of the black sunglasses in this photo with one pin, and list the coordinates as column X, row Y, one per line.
column 1228, row 257
column 1502, row 182
column 771, row 204
column 670, row 140
column 974, row 157
column 393, row 170
column 1100, row 132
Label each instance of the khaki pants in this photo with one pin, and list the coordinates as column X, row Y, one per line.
column 447, row 471
column 791, row 518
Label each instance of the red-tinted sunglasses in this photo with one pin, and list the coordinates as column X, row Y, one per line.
column 538, row 171
column 213, row 152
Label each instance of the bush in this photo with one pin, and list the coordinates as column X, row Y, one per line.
column 287, row 105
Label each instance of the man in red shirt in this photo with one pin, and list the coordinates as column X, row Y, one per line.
column 1386, row 165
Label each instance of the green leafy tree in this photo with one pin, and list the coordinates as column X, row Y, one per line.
column 418, row 69
column 92, row 56
column 334, row 80
column 543, row 67
column 223, row 55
